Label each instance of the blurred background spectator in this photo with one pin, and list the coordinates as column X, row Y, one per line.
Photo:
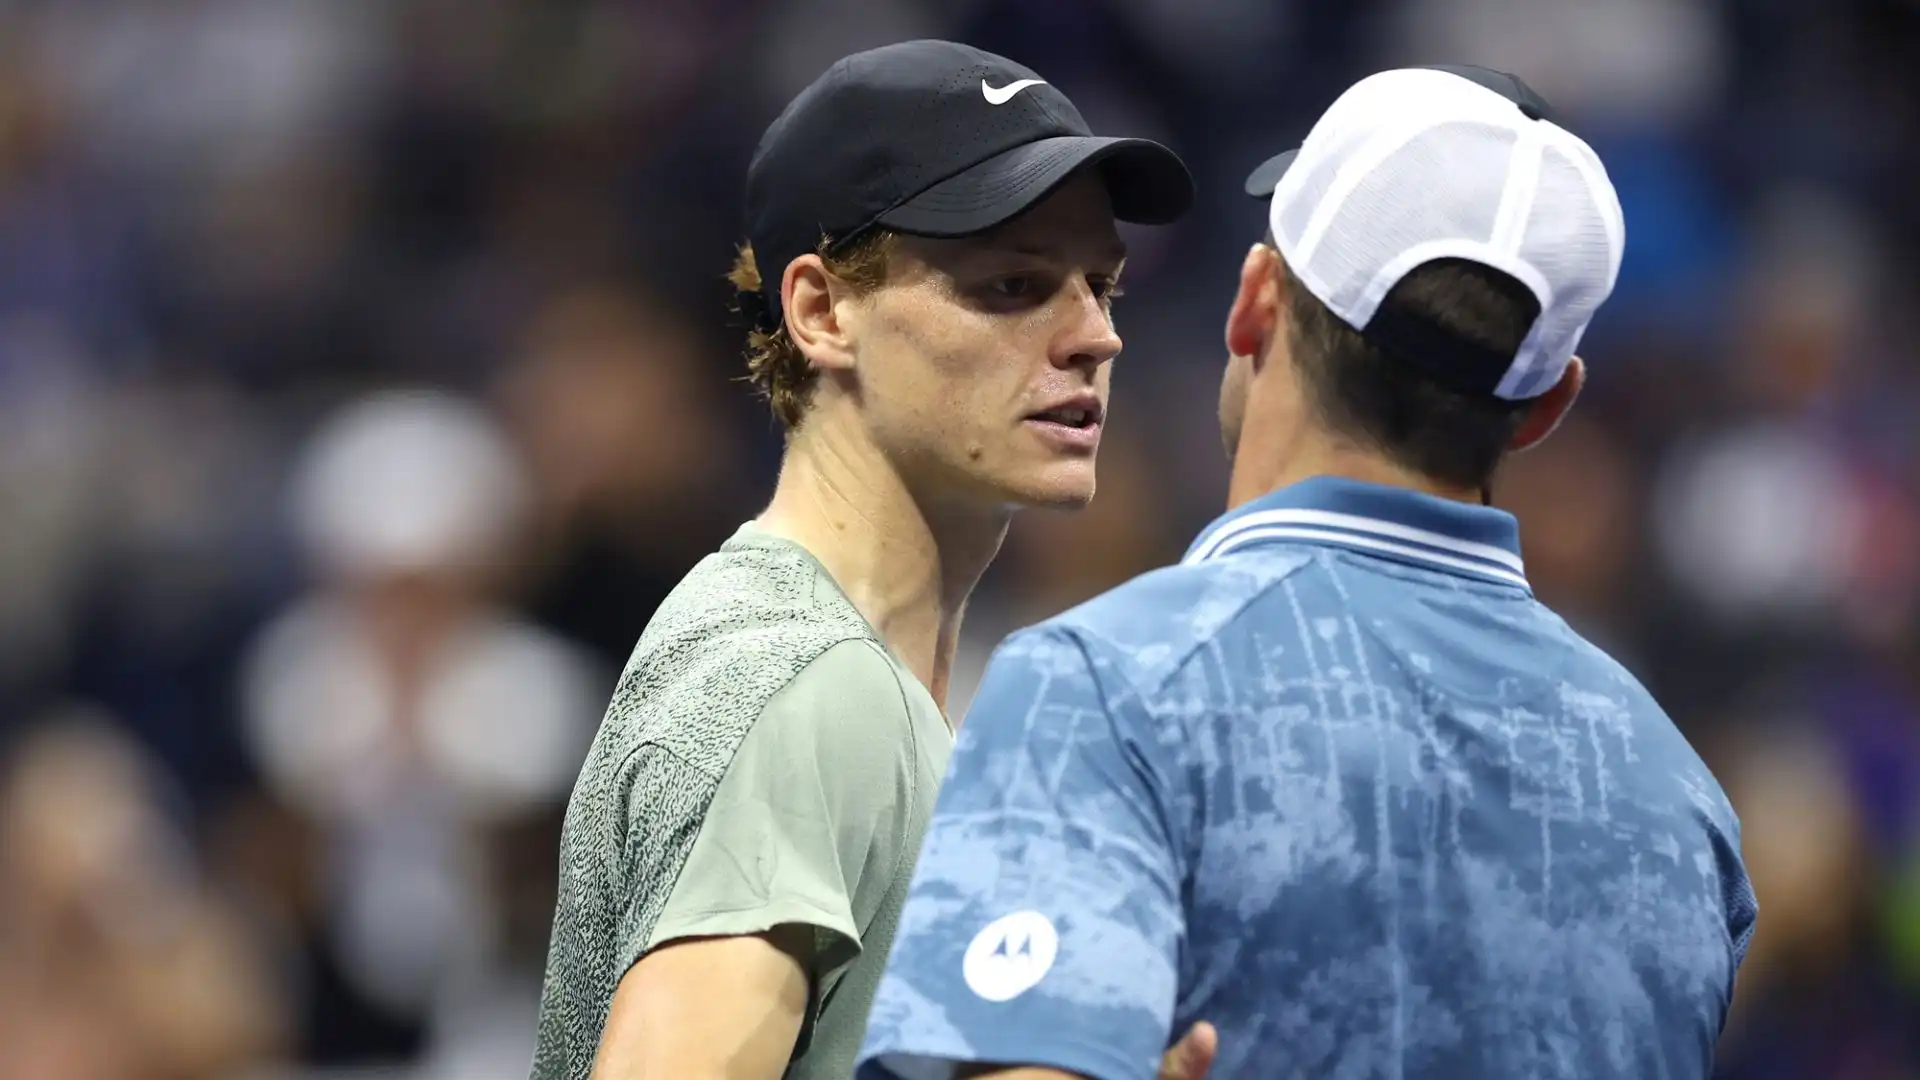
column 367, row 378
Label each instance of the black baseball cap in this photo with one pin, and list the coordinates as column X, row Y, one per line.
column 933, row 138
column 1264, row 179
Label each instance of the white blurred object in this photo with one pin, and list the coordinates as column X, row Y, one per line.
column 404, row 717
column 502, row 721
column 1758, row 521
column 1649, row 63
column 408, row 909
column 408, row 482
column 497, row 728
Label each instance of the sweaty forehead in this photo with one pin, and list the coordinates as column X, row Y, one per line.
column 1073, row 226
column 1076, row 220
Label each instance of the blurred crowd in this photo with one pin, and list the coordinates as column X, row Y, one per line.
column 367, row 377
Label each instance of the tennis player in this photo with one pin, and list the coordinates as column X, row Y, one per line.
column 1339, row 782
column 931, row 263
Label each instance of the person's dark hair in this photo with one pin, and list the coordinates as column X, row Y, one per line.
column 775, row 365
column 1361, row 393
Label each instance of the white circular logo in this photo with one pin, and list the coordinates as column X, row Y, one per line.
column 1010, row 955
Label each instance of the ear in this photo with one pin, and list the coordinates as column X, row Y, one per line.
column 1547, row 410
column 807, row 302
column 1255, row 314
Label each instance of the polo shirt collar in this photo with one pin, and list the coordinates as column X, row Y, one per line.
column 1386, row 522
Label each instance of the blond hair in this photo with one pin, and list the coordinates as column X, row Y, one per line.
column 775, row 365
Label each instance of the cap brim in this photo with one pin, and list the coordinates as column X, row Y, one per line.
column 1262, row 181
column 1148, row 183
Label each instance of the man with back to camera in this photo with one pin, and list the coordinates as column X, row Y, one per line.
column 931, row 263
column 1338, row 782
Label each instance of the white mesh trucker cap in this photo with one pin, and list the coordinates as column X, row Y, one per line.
column 1418, row 164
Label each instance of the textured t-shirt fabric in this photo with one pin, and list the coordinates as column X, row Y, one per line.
column 765, row 761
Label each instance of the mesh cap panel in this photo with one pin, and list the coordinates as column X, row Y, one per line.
column 1416, row 165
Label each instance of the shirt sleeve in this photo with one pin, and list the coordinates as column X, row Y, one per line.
column 806, row 826
column 1742, row 906
column 1044, row 922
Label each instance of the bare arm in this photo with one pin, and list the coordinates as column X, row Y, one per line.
column 722, row 1008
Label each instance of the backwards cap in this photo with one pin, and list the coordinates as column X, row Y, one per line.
column 1418, row 164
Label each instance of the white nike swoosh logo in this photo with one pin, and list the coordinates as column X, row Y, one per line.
column 1004, row 94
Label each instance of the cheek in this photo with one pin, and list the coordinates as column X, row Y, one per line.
column 948, row 369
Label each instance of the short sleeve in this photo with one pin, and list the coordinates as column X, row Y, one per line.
column 1044, row 922
column 1737, row 896
column 807, row 823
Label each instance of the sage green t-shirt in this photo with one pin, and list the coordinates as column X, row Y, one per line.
column 765, row 760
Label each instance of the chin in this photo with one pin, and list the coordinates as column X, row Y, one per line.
column 1065, row 485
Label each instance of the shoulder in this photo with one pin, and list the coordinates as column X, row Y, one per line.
column 1151, row 626
column 738, row 630
column 755, row 590
column 852, row 692
column 837, row 712
column 1591, row 682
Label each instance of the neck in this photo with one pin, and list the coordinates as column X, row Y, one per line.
column 907, row 564
column 1273, row 456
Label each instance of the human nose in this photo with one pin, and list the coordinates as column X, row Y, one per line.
column 1088, row 338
